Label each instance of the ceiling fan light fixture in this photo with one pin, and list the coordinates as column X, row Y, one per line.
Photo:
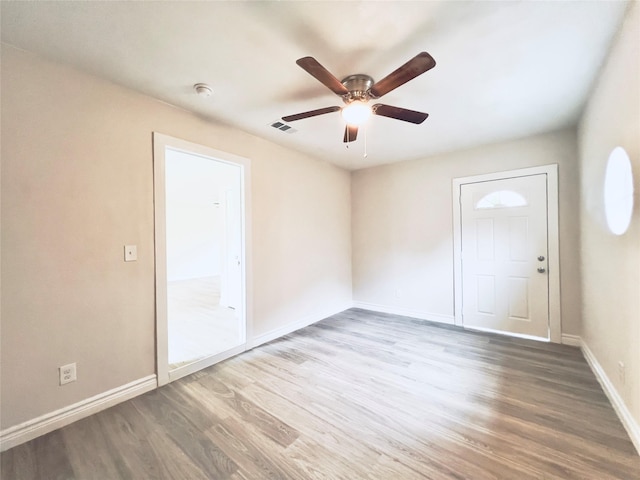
column 356, row 113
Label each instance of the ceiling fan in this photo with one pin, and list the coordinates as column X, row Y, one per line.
column 357, row 90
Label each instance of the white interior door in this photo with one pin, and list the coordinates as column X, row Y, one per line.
column 505, row 283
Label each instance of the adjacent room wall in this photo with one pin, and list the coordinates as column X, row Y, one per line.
column 194, row 230
column 403, row 225
column 77, row 185
column 610, row 263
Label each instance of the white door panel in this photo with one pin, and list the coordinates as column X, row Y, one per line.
column 486, row 294
column 504, row 232
column 518, row 291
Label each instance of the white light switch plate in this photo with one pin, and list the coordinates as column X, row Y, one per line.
column 130, row 253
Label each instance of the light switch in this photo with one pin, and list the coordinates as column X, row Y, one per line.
column 130, row 253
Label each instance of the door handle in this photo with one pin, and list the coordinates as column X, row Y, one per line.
column 541, row 269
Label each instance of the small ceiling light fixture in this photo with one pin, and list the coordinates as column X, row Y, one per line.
column 203, row 89
column 356, row 113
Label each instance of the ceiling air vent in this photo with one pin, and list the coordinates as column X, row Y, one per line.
column 280, row 125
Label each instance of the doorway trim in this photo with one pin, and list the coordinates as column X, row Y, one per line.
column 553, row 254
column 160, row 143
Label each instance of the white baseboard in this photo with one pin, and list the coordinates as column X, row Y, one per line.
column 49, row 422
column 406, row 312
column 572, row 340
column 629, row 423
column 297, row 325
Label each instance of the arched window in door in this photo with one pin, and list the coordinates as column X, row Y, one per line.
column 501, row 199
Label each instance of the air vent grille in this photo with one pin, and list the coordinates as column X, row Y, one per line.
column 280, row 125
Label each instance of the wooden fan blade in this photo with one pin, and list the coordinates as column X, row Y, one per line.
column 399, row 113
column 311, row 113
column 324, row 76
column 410, row 70
column 350, row 133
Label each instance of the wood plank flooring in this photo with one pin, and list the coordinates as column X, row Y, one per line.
column 359, row 395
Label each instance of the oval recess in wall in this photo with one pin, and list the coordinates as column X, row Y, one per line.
column 618, row 191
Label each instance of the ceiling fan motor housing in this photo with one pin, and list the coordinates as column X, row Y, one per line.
column 358, row 86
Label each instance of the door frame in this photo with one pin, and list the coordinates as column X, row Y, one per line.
column 553, row 253
column 160, row 143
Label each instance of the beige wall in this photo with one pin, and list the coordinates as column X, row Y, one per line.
column 403, row 225
column 610, row 263
column 77, row 185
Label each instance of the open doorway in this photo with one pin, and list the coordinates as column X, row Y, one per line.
column 203, row 236
column 200, row 245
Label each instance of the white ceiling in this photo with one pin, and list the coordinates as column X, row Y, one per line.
column 504, row 69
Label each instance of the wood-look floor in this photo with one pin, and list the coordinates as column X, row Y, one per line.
column 359, row 395
column 198, row 326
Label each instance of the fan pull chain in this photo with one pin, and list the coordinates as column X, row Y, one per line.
column 365, row 142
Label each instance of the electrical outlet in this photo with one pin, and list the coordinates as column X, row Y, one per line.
column 67, row 373
column 621, row 372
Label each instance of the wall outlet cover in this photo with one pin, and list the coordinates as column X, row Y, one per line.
column 130, row 253
column 67, row 373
